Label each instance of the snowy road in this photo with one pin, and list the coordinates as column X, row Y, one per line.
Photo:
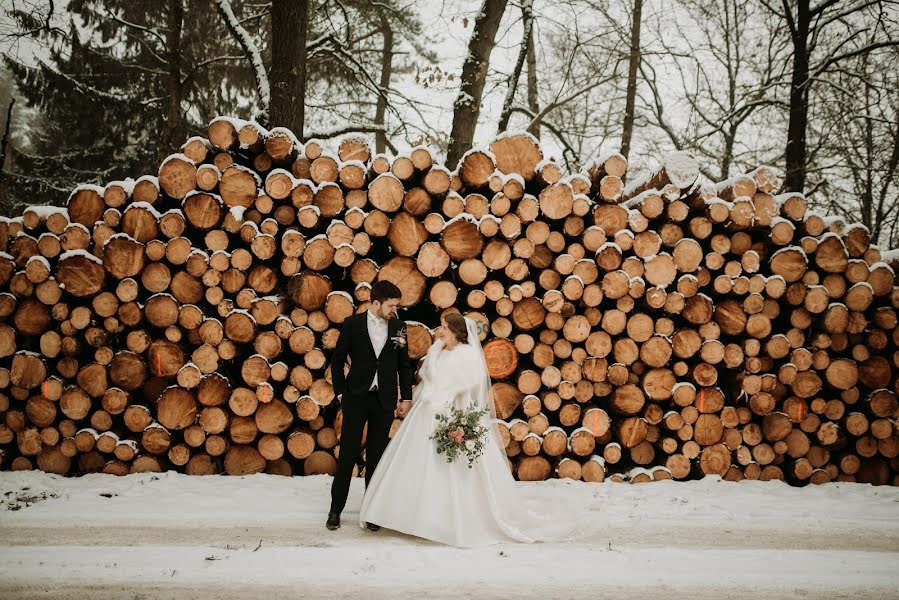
column 172, row 536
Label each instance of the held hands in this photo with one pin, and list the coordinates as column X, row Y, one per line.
column 403, row 407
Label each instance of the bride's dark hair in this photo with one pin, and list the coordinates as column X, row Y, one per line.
column 456, row 323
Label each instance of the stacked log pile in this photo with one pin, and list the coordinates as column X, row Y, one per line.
column 667, row 329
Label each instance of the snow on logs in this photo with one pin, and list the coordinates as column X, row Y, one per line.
column 667, row 328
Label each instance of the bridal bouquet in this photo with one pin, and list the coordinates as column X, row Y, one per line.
column 460, row 432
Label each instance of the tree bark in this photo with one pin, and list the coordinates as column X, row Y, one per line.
column 527, row 18
column 474, row 75
column 175, row 127
column 288, row 70
column 386, row 70
column 4, row 143
column 634, row 64
column 533, row 105
column 796, row 130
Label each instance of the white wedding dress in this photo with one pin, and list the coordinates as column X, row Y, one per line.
column 416, row 491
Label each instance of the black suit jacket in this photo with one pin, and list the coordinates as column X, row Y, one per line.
column 354, row 342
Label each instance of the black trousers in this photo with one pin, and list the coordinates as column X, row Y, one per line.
column 356, row 412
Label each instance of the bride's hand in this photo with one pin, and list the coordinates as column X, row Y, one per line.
column 403, row 408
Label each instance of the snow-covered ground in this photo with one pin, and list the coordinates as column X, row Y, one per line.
column 173, row 536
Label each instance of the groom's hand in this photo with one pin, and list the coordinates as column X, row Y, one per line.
column 403, row 407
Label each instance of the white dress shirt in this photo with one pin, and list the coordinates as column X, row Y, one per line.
column 377, row 331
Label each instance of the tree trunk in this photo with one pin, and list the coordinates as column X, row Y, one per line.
column 796, row 130
column 634, row 64
column 386, row 70
column 288, row 70
column 867, row 199
column 527, row 19
column 533, row 106
column 175, row 128
column 474, row 75
column 4, row 143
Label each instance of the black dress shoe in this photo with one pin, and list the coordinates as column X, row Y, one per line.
column 333, row 521
column 373, row 527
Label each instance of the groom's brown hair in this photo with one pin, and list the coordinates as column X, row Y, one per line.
column 384, row 290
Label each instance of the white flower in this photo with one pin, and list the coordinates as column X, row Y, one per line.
column 469, row 445
column 399, row 338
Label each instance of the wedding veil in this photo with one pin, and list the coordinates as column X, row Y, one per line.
column 483, row 391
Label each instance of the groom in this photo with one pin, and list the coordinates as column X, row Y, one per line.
column 375, row 342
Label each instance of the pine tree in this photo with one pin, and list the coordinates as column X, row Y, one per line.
column 78, row 129
column 119, row 91
column 129, row 80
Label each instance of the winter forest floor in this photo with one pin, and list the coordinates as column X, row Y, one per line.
column 174, row 536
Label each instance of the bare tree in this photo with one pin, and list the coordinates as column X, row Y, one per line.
column 357, row 48
column 856, row 130
column 527, row 21
column 725, row 79
column 633, row 67
column 467, row 106
column 533, row 103
column 386, row 72
column 823, row 36
column 582, row 48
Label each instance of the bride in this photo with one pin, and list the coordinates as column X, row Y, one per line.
column 416, row 491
